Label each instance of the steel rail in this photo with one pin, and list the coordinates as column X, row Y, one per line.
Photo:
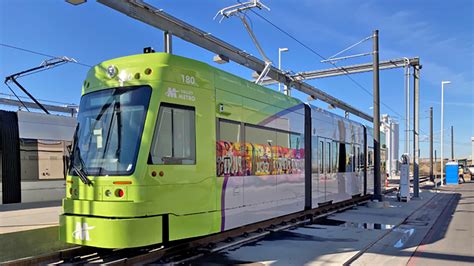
column 56, row 256
column 188, row 249
column 159, row 19
column 196, row 248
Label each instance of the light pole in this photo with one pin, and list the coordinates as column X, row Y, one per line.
column 280, row 50
column 442, row 128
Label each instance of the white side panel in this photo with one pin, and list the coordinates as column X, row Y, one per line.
column 45, row 127
column 35, row 191
column 370, row 181
column 259, row 199
column 318, row 193
column 360, row 179
column 259, row 189
column 290, row 191
column 337, row 188
column 233, row 192
column 259, row 202
column 352, row 183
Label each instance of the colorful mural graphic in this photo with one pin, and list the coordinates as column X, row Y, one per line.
column 235, row 159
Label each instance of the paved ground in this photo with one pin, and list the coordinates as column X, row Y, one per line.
column 451, row 240
column 425, row 231
column 27, row 216
column 436, row 229
column 28, row 229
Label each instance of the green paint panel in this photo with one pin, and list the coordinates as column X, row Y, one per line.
column 194, row 225
column 110, row 233
column 190, row 194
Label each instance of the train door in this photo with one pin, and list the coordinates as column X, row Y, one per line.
column 181, row 163
column 260, row 185
column 324, row 169
column 333, row 181
column 356, row 189
column 320, row 172
column 370, row 170
column 230, row 162
column 327, row 167
column 316, row 151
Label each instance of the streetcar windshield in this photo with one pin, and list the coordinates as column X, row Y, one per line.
column 109, row 130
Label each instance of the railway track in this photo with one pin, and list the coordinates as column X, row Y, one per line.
column 180, row 252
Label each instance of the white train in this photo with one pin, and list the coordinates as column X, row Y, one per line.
column 33, row 156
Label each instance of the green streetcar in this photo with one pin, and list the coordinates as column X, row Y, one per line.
column 168, row 148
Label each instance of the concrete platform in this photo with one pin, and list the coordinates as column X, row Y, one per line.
column 28, row 229
column 398, row 235
column 27, row 216
column 451, row 240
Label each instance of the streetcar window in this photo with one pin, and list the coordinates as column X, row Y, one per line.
column 335, row 157
column 371, row 157
column 264, row 144
column 261, row 136
column 355, row 158
column 175, row 136
column 229, row 149
column 349, row 158
column 229, row 131
column 283, row 139
column 109, row 130
column 327, row 158
column 314, row 155
column 295, row 141
column 342, row 158
column 320, row 157
column 361, row 158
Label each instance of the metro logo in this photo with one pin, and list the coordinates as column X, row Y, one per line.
column 82, row 231
column 186, row 95
column 172, row 93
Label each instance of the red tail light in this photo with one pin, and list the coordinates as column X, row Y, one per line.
column 119, row 193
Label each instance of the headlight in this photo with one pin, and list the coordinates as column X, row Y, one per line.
column 112, row 71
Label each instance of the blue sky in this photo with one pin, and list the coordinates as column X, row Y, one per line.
column 439, row 32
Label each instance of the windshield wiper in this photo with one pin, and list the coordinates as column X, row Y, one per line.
column 79, row 169
column 82, row 175
column 75, row 156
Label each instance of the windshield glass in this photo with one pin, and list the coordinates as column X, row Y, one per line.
column 109, row 129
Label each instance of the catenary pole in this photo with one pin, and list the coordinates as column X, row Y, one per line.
column 168, row 42
column 436, row 170
column 431, row 144
column 407, row 110
column 416, row 125
column 376, row 121
column 442, row 130
column 452, row 143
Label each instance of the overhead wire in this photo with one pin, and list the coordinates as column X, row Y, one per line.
column 39, row 53
column 37, row 71
column 345, row 72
